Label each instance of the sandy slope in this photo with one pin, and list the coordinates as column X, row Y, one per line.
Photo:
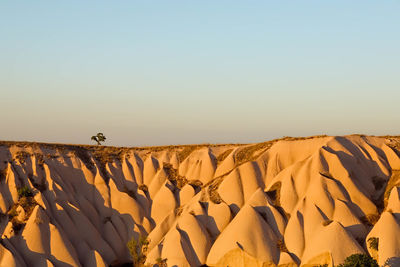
column 289, row 202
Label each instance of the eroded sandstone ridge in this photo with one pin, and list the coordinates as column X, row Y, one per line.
column 287, row 202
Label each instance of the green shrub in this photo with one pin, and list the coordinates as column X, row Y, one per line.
column 359, row 260
column 138, row 250
column 25, row 192
column 373, row 242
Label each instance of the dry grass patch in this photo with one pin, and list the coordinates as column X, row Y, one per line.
column 247, row 153
column 185, row 152
column 290, row 138
column 105, row 156
column 221, row 157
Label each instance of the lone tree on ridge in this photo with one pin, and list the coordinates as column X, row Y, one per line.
column 99, row 138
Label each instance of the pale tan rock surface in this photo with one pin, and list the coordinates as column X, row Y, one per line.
column 287, row 202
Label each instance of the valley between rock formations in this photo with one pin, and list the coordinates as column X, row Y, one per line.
column 286, row 202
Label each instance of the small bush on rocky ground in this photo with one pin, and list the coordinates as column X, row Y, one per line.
column 25, row 192
column 27, row 202
column 138, row 250
column 359, row 260
column 373, row 242
column 173, row 176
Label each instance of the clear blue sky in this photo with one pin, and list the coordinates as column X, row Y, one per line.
column 178, row 72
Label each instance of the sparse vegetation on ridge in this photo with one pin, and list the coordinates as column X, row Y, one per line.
column 248, row 152
column 221, row 157
column 185, row 152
